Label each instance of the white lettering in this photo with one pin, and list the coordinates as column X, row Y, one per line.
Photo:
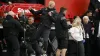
column 22, row 10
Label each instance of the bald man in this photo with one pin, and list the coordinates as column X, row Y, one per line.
column 11, row 29
column 48, row 16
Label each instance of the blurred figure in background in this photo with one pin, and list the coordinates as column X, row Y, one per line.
column 97, row 32
column 88, row 34
column 90, row 15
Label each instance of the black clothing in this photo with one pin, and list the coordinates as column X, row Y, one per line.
column 11, row 29
column 80, row 48
column 96, row 39
column 32, row 43
column 87, row 44
column 96, row 26
column 72, row 48
column 45, row 24
column 11, row 26
column 45, row 19
column 61, row 27
column 62, row 43
column 62, row 31
column 13, row 46
column 43, row 32
column 23, row 20
column 87, row 28
column 30, row 32
column 32, row 1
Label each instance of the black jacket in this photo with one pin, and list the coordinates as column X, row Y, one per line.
column 87, row 28
column 31, row 30
column 23, row 20
column 61, row 26
column 96, row 26
column 96, row 23
column 45, row 19
column 11, row 27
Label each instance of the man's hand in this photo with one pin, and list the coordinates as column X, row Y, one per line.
column 92, row 28
column 50, row 13
column 30, row 8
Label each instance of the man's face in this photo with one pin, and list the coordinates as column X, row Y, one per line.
column 5, row 14
column 97, row 10
column 65, row 12
column 52, row 5
column 85, row 20
column 89, row 14
column 31, row 20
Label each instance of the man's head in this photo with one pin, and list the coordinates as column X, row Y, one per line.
column 85, row 19
column 63, row 10
column 89, row 13
column 51, row 4
column 21, row 13
column 31, row 20
column 11, row 13
column 5, row 14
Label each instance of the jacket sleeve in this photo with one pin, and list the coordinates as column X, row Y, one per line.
column 36, row 12
column 64, row 23
column 54, row 17
column 19, row 26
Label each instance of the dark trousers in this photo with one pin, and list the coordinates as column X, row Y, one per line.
column 43, row 32
column 29, row 48
column 13, row 45
column 87, row 47
column 34, row 47
column 98, row 46
column 72, row 48
column 37, row 49
column 80, row 48
column 51, row 49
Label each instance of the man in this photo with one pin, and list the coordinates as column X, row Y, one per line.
column 62, row 32
column 97, row 32
column 48, row 16
column 22, row 18
column 30, row 33
column 88, row 34
column 11, row 29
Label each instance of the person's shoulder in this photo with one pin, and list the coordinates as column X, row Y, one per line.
column 63, row 18
column 73, row 28
column 45, row 8
column 15, row 21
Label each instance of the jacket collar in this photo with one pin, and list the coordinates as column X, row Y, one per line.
column 8, row 17
column 62, row 14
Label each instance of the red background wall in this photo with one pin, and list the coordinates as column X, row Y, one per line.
column 75, row 7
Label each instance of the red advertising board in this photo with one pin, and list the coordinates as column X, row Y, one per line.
column 20, row 7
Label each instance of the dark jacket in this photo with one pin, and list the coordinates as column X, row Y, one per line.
column 31, row 30
column 87, row 28
column 96, row 23
column 96, row 26
column 45, row 19
column 23, row 20
column 11, row 27
column 61, row 27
